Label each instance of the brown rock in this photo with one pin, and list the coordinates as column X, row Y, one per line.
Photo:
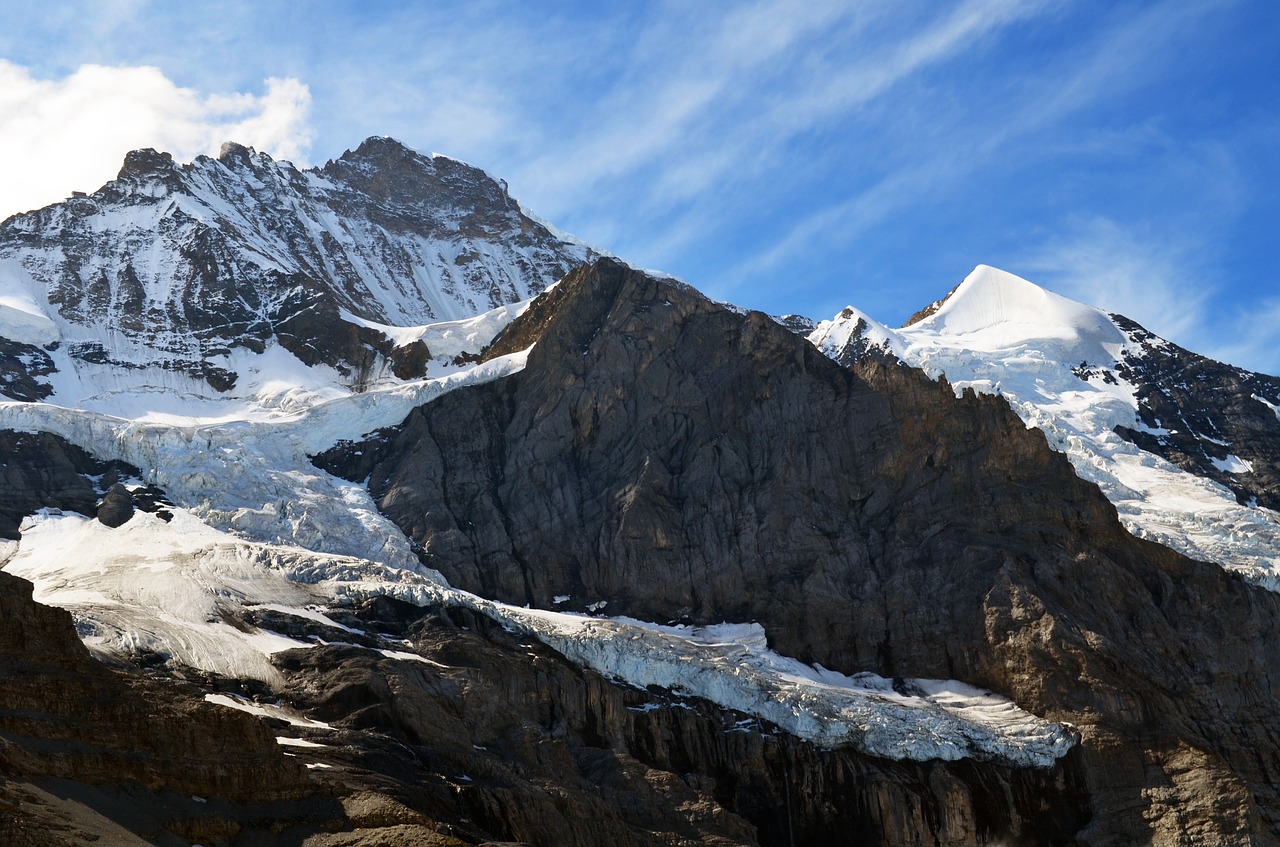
column 116, row 507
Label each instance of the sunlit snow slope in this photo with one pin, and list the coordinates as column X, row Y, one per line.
column 1097, row 383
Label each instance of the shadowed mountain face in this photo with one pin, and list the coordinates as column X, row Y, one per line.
column 1206, row 417
column 681, row 461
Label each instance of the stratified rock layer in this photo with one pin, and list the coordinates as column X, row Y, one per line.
column 506, row 739
column 686, row 462
column 65, row 717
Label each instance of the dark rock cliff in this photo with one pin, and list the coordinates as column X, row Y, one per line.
column 484, row 737
column 509, row 741
column 686, row 462
column 1212, row 419
column 74, row 732
column 40, row 470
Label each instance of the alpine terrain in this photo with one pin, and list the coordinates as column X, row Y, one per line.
column 355, row 505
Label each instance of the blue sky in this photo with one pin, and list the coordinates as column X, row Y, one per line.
column 787, row 156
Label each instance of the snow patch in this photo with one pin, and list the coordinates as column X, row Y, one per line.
column 1233, row 464
column 286, row 741
column 276, row 712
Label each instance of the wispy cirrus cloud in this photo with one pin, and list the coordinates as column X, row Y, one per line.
column 788, row 156
column 1012, row 124
column 1162, row 283
column 1253, row 338
column 1168, row 281
column 69, row 134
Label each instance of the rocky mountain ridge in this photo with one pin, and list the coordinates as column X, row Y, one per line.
column 867, row 517
column 198, row 269
column 1182, row 445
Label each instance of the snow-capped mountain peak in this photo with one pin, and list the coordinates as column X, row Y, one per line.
column 992, row 309
column 1183, row 446
column 853, row 335
column 204, row 279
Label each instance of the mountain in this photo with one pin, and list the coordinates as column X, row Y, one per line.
column 206, row 271
column 1184, row 447
column 611, row 564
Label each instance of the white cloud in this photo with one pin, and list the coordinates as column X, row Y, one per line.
column 58, row 136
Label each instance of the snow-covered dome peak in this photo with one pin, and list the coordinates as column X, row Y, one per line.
column 994, row 308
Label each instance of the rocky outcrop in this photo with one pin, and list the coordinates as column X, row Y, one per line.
column 41, row 470
column 116, row 507
column 1208, row 418
column 93, row 755
column 23, row 368
column 475, row 736
column 64, row 716
column 686, row 462
column 508, row 741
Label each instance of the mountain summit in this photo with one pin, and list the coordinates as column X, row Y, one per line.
column 1182, row 445
column 202, row 270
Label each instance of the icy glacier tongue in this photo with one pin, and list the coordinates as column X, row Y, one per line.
column 1060, row 365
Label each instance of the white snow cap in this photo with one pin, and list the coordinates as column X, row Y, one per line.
column 832, row 336
column 1000, row 308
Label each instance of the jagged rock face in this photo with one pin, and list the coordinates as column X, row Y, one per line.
column 175, row 266
column 686, row 462
column 89, row 754
column 682, row 461
column 1208, row 418
column 42, row 470
column 523, row 746
column 39, row 470
column 23, row 371
column 484, row 737
column 63, row 714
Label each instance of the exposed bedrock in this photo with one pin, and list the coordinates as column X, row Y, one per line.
column 1208, row 418
column 74, row 733
column 683, row 461
column 509, row 741
column 42, row 470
